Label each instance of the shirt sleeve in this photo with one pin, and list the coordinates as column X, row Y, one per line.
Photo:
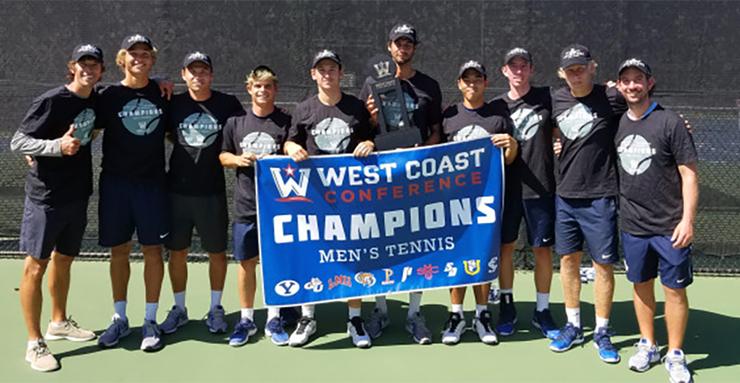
column 297, row 131
column 25, row 144
column 681, row 142
column 227, row 145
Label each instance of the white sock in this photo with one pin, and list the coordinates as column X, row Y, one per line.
column 414, row 303
column 506, row 291
column 32, row 343
column 216, row 298
column 308, row 310
column 248, row 313
column 543, row 301
column 381, row 304
column 120, row 309
column 574, row 316
column 354, row 312
column 180, row 299
column 150, row 314
column 601, row 323
column 479, row 309
column 457, row 309
column 272, row 312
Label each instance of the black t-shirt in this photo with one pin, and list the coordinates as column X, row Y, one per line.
column 587, row 162
column 58, row 180
column 134, row 124
column 258, row 135
column 532, row 116
column 423, row 98
column 196, row 127
column 650, row 151
column 337, row 129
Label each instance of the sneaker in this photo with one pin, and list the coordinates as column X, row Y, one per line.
column 216, row 320
column 543, row 321
column 494, row 295
column 176, row 318
column 416, row 326
column 117, row 330
column 454, row 328
column 678, row 371
column 568, row 336
column 306, row 328
column 69, row 330
column 356, row 331
column 151, row 336
column 482, row 325
column 377, row 322
column 647, row 354
column 242, row 331
column 602, row 341
column 41, row 358
column 507, row 316
column 275, row 329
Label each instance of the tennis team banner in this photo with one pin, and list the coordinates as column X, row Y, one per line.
column 338, row 227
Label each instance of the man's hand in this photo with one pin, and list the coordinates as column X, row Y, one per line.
column 364, row 149
column 295, row 151
column 503, row 140
column 29, row 160
column 683, row 234
column 557, row 147
column 372, row 109
column 166, row 87
column 69, row 144
column 246, row 159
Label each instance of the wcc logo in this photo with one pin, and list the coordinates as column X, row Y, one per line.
column 382, row 69
column 287, row 288
column 291, row 190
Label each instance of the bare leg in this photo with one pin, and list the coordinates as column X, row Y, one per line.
column 542, row 268
column 603, row 289
column 644, row 301
column 457, row 295
column 571, row 279
column 676, row 315
column 59, row 280
column 506, row 266
column 246, row 282
column 120, row 270
column 153, row 272
column 178, row 269
column 217, row 265
column 30, row 292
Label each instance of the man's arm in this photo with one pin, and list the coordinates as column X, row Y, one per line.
column 65, row 145
column 683, row 234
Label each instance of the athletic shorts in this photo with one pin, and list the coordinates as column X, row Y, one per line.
column 539, row 216
column 126, row 206
column 511, row 219
column 209, row 216
column 645, row 256
column 46, row 228
column 246, row 244
column 591, row 219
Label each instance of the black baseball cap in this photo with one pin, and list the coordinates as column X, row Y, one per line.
column 574, row 54
column 197, row 56
column 474, row 65
column 403, row 30
column 636, row 63
column 326, row 54
column 87, row 50
column 517, row 52
column 132, row 40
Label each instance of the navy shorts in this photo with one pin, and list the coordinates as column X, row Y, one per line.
column 208, row 214
column 46, row 228
column 246, row 240
column 511, row 219
column 539, row 214
column 126, row 206
column 644, row 256
column 591, row 219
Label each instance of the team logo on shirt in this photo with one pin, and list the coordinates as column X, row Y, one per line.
column 635, row 154
column 526, row 123
column 84, row 123
column 140, row 116
column 199, row 130
column 259, row 143
column 470, row 132
column 577, row 121
column 332, row 135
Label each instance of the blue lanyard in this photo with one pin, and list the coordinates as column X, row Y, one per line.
column 650, row 110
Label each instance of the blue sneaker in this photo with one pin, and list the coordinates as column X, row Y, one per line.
column 151, row 336
column 506, row 316
column 567, row 337
column 242, row 331
column 216, row 320
column 602, row 341
column 117, row 330
column 176, row 318
column 544, row 322
column 275, row 329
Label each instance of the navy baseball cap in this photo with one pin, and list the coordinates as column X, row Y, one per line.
column 574, row 54
column 326, row 54
column 197, row 56
column 517, row 52
column 132, row 40
column 403, row 30
column 87, row 50
column 636, row 63
column 474, row 65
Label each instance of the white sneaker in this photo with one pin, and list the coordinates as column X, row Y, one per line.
column 647, row 354
column 306, row 328
column 678, row 371
column 151, row 336
column 41, row 358
column 482, row 325
column 356, row 330
column 454, row 329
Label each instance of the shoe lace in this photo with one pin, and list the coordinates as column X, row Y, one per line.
column 420, row 326
column 676, row 365
column 485, row 320
column 357, row 324
column 71, row 322
column 643, row 353
column 567, row 333
column 276, row 325
column 41, row 349
column 453, row 322
column 302, row 325
column 603, row 339
column 150, row 329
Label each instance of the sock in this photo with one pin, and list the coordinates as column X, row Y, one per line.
column 354, row 312
column 381, row 304
column 574, row 316
column 543, row 301
column 180, row 299
column 308, row 310
column 506, row 291
column 272, row 312
column 120, row 309
column 601, row 323
column 414, row 303
column 457, row 309
column 150, row 314
column 506, row 296
column 479, row 309
column 216, row 298
column 248, row 313
column 32, row 343
column 675, row 351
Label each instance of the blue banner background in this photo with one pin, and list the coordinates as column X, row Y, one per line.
column 324, row 267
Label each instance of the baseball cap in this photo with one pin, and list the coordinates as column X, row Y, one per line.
column 472, row 64
column 87, row 50
column 132, row 40
column 326, row 54
column 636, row 63
column 197, row 57
column 517, row 52
column 574, row 54
column 403, row 30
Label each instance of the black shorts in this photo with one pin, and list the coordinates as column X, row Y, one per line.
column 46, row 228
column 209, row 216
